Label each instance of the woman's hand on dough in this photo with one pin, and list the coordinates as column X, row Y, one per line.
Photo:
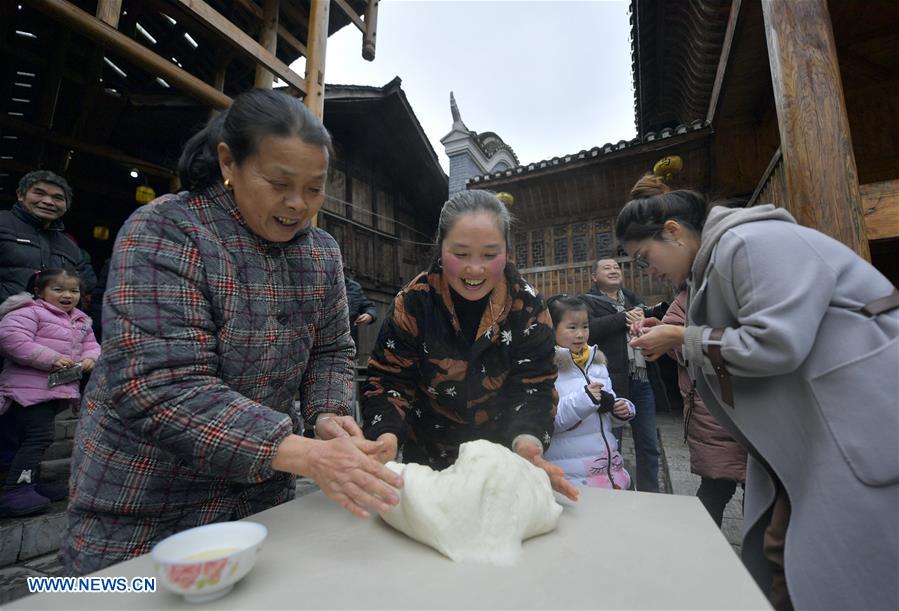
column 329, row 426
column 659, row 340
column 556, row 475
column 344, row 469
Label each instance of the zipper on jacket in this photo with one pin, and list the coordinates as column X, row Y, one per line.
column 602, row 428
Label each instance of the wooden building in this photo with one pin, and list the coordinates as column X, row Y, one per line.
column 384, row 193
column 106, row 92
column 788, row 102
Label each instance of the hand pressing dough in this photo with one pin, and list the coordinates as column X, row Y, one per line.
column 480, row 509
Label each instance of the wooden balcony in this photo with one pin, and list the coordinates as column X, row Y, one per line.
column 575, row 279
column 880, row 200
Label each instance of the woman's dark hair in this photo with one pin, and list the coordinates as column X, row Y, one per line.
column 39, row 280
column 652, row 203
column 560, row 304
column 474, row 202
column 252, row 116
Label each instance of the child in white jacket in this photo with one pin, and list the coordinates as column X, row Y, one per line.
column 588, row 408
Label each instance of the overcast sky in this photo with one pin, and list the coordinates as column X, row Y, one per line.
column 548, row 77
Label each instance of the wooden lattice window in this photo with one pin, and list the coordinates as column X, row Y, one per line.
column 538, row 256
column 560, row 245
column 605, row 241
column 521, row 249
column 579, row 242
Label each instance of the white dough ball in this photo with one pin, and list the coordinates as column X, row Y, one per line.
column 480, row 509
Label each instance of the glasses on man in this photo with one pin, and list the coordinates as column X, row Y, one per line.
column 640, row 261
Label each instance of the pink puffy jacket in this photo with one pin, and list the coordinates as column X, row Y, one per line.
column 713, row 452
column 33, row 334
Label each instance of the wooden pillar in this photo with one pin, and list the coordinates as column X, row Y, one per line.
column 109, row 12
column 317, row 46
column 369, row 37
column 819, row 165
column 268, row 38
column 222, row 60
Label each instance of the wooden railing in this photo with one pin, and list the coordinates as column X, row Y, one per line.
column 772, row 188
column 880, row 200
column 575, row 279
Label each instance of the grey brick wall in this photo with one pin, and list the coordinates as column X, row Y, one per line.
column 462, row 167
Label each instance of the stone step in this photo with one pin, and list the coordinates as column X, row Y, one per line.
column 59, row 449
column 13, row 582
column 22, row 539
column 56, row 470
column 64, row 428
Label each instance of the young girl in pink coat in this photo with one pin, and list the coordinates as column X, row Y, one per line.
column 39, row 335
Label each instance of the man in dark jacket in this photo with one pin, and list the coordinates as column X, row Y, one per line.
column 362, row 309
column 612, row 309
column 31, row 234
column 32, row 239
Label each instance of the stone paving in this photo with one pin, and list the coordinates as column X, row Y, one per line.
column 34, row 540
column 676, row 468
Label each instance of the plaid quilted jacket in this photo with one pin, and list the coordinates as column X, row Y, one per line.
column 209, row 333
column 435, row 391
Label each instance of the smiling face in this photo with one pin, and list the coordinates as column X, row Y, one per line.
column 63, row 291
column 573, row 330
column 607, row 275
column 280, row 187
column 474, row 255
column 45, row 201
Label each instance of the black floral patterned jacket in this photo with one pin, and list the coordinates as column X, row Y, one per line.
column 435, row 391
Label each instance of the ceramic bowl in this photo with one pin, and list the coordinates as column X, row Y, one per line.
column 205, row 562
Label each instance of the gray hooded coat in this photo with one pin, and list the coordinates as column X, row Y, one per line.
column 815, row 396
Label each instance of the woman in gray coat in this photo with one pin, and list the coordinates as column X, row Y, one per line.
column 224, row 303
column 793, row 341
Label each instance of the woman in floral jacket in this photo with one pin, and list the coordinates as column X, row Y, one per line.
column 223, row 304
column 466, row 351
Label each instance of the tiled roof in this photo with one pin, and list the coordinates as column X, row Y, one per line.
column 490, row 144
column 595, row 152
column 675, row 48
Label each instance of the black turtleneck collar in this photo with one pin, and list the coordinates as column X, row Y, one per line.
column 468, row 313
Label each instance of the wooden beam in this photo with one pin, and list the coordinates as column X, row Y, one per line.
column 268, row 39
column 349, row 12
column 370, row 35
column 317, row 39
column 283, row 34
column 242, row 42
column 763, row 182
column 109, row 12
column 726, row 46
column 69, row 14
column 292, row 12
column 819, row 164
column 881, row 204
column 315, row 61
column 222, row 60
column 79, row 183
column 78, row 144
column 291, row 40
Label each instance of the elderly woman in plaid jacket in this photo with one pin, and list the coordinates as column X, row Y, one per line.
column 466, row 351
column 223, row 304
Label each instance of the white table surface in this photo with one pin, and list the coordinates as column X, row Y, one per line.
column 618, row 550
